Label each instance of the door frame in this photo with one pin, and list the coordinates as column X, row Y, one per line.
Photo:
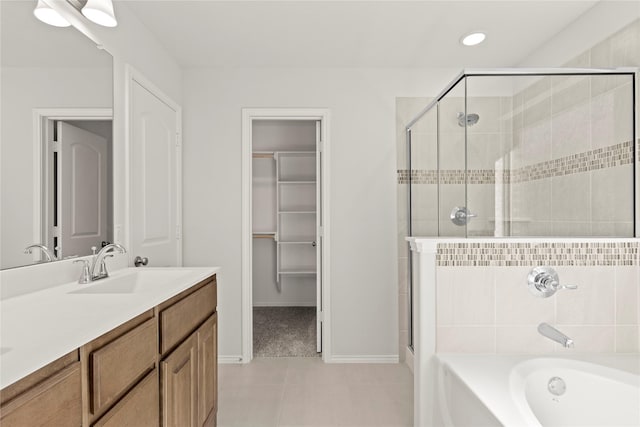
column 41, row 195
column 134, row 76
column 248, row 116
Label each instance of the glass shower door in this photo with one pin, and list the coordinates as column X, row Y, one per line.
column 453, row 212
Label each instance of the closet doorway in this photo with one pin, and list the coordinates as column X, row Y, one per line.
column 285, row 233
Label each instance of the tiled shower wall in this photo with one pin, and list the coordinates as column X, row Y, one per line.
column 484, row 305
column 621, row 49
column 571, row 171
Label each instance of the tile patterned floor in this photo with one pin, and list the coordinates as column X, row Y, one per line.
column 307, row 392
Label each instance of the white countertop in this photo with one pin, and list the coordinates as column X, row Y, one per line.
column 39, row 327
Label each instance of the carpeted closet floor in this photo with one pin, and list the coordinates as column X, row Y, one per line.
column 284, row 332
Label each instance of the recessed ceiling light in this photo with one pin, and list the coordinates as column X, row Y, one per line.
column 473, row 39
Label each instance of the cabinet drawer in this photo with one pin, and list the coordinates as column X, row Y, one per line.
column 183, row 317
column 139, row 408
column 56, row 401
column 119, row 364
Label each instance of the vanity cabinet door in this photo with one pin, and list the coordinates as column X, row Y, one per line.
column 208, row 371
column 56, row 401
column 180, row 384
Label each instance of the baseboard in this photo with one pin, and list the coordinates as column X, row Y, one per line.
column 391, row 358
column 229, row 360
column 284, row 304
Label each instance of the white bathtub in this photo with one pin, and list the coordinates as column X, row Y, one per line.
column 513, row 391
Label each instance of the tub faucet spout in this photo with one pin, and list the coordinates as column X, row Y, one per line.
column 553, row 334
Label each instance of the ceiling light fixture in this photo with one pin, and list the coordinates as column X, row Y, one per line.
column 100, row 12
column 473, row 39
column 48, row 15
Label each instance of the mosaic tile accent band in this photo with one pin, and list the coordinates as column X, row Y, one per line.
column 587, row 254
column 419, row 176
column 451, row 176
column 601, row 158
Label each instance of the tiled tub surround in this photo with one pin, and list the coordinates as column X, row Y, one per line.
column 487, row 309
column 484, row 305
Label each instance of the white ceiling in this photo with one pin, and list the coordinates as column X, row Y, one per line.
column 353, row 33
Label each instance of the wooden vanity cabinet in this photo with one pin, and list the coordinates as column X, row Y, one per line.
column 51, row 396
column 116, row 364
column 208, row 372
column 139, row 408
column 159, row 368
column 180, row 386
column 189, row 371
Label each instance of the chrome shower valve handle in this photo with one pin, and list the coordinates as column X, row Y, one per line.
column 544, row 282
column 461, row 215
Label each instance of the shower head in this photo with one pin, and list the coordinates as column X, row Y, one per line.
column 471, row 119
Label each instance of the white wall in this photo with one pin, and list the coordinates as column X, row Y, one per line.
column 363, row 191
column 595, row 25
column 24, row 89
column 130, row 44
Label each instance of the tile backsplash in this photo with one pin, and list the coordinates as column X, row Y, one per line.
column 484, row 305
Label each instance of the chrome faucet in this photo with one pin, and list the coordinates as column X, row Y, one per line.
column 47, row 252
column 553, row 334
column 99, row 259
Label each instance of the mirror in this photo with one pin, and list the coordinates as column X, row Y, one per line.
column 55, row 134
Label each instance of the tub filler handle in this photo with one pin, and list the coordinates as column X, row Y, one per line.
column 544, row 282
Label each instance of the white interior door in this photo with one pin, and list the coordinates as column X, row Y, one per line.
column 319, row 232
column 82, row 191
column 155, row 227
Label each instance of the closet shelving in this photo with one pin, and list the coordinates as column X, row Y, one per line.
column 293, row 184
column 296, row 213
column 264, row 223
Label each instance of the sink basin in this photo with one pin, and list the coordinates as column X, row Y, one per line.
column 137, row 281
